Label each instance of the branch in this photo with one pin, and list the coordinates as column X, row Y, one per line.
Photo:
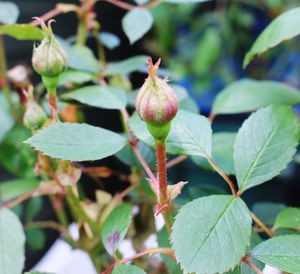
column 260, row 223
column 176, row 161
column 128, row 6
column 225, row 177
column 161, row 250
column 246, row 261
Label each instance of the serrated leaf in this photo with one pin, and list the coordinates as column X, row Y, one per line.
column 126, row 66
column 9, row 12
column 13, row 188
column 127, row 269
column 288, row 218
column 222, row 151
column 12, row 243
column 97, row 96
column 264, row 145
column 77, row 142
column 109, row 40
column 22, row 31
column 115, row 227
column 136, row 23
column 248, row 95
column 75, row 77
column 282, row 252
column 217, row 226
column 282, row 28
column 190, row 134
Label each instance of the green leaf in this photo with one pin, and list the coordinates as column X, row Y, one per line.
column 248, row 95
column 12, row 189
column 12, row 243
column 136, row 23
column 15, row 156
column 22, row 31
column 109, row 40
column 77, row 142
column 127, row 269
column 102, row 97
column 288, row 218
column 9, row 12
column 115, row 227
column 36, row 239
column 126, row 66
column 211, row 234
column 222, row 151
column 33, row 207
column 282, row 252
column 75, row 77
column 190, row 134
column 284, row 27
column 264, row 145
column 6, row 119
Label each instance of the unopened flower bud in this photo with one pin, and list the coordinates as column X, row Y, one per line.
column 34, row 116
column 49, row 59
column 156, row 103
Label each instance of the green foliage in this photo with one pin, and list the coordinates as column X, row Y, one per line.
column 288, row 218
column 127, row 269
column 264, row 145
column 22, row 32
column 282, row 252
column 75, row 77
column 35, row 238
column 103, row 97
column 222, row 152
column 69, row 142
column 217, row 226
column 9, row 12
column 190, row 134
column 115, row 227
column 126, row 66
column 6, row 120
column 13, row 188
column 109, row 40
column 136, row 23
column 267, row 211
column 248, row 95
column 12, row 243
column 284, row 27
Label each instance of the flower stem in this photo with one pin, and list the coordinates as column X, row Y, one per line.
column 260, row 223
column 246, row 261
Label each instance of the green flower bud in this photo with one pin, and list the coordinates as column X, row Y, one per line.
column 34, row 116
column 156, row 103
column 49, row 59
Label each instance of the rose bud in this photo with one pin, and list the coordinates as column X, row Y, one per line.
column 34, row 116
column 156, row 103
column 49, row 59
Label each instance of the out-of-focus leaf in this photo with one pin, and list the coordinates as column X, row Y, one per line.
column 267, row 211
column 126, row 66
column 115, row 227
column 75, row 77
column 136, row 23
column 9, row 12
column 22, row 31
column 77, row 142
column 6, row 119
column 127, row 269
column 109, row 40
column 282, row 28
column 36, row 238
column 288, row 218
column 97, row 96
column 14, row 188
column 12, row 243
column 16, row 157
column 248, row 95
column 33, row 207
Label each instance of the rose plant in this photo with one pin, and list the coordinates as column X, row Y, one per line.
column 211, row 234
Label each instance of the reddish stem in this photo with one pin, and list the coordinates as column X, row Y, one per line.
column 212, row 117
column 127, row 6
column 53, row 106
column 162, row 172
column 246, row 261
column 161, row 250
